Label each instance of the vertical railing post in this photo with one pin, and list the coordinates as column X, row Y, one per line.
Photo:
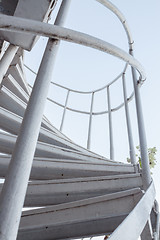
column 64, row 111
column 146, row 176
column 14, row 189
column 90, row 122
column 128, row 122
column 110, row 125
column 6, row 60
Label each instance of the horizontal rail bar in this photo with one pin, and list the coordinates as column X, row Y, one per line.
column 84, row 92
column 77, row 91
column 16, row 24
column 94, row 113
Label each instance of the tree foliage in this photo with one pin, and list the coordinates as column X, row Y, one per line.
column 151, row 156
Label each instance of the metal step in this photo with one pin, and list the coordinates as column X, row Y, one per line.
column 11, row 123
column 43, row 193
column 17, row 74
column 15, row 88
column 7, row 143
column 89, row 217
column 47, row 168
column 12, row 103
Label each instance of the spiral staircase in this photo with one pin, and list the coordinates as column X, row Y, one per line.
column 71, row 191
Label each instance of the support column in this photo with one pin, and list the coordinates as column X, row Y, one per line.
column 128, row 122
column 90, row 123
column 14, row 190
column 110, row 125
column 146, row 176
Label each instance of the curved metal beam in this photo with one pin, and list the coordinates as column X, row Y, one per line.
column 24, row 25
column 121, row 17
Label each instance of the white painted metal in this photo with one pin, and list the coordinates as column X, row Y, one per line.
column 15, row 88
column 21, row 162
column 89, row 92
column 47, row 168
column 7, row 144
column 12, row 103
column 20, row 25
column 142, row 135
column 67, row 171
column 38, row 10
column 6, row 60
column 121, row 17
column 11, row 123
column 80, row 218
column 147, row 232
column 110, row 125
column 156, row 228
column 138, row 217
column 129, row 129
column 90, row 122
column 94, row 113
column 64, row 111
column 61, row 191
column 16, row 72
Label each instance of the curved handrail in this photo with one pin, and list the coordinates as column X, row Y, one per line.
column 83, row 92
column 121, row 17
column 123, row 20
column 93, row 91
column 24, row 25
column 59, row 33
column 137, row 219
column 93, row 113
column 140, row 214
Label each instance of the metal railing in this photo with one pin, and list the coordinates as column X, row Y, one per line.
column 57, row 33
column 109, row 110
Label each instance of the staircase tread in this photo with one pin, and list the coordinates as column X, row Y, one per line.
column 86, row 179
column 83, row 202
column 12, row 124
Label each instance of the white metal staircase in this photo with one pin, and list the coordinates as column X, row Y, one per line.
column 81, row 194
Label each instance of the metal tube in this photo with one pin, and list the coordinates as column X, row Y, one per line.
column 64, row 111
column 146, row 176
column 6, row 60
column 13, row 192
column 128, row 121
column 16, row 24
column 156, row 209
column 90, row 122
column 110, row 126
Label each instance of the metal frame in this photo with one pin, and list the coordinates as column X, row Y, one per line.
column 15, row 186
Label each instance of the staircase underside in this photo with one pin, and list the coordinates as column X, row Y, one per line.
column 77, row 192
column 76, row 188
